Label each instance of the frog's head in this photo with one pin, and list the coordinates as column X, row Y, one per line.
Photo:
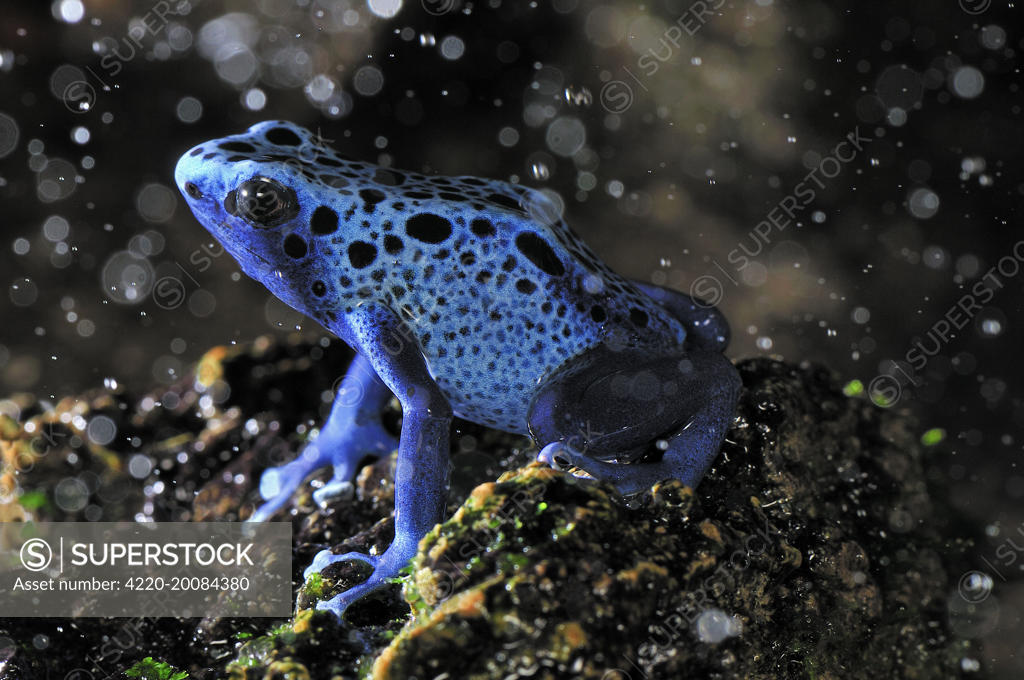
column 259, row 194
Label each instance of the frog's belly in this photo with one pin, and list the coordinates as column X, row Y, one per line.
column 500, row 403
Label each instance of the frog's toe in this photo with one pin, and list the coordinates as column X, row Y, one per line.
column 334, row 490
column 326, row 557
column 560, row 456
column 342, row 601
column 284, row 479
column 279, row 483
column 549, row 455
column 267, row 510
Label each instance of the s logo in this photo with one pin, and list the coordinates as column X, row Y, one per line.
column 36, row 554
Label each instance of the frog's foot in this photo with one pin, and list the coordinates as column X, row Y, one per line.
column 352, row 432
column 559, row 456
column 278, row 484
column 369, row 441
column 385, row 568
column 563, row 457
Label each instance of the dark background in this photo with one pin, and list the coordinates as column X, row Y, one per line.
column 677, row 168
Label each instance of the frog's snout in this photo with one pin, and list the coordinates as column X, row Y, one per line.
column 181, row 175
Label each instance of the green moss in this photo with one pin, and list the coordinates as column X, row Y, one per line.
column 933, row 436
column 147, row 669
column 315, row 586
column 260, row 650
column 514, row 561
column 33, row 500
column 285, row 633
column 853, row 388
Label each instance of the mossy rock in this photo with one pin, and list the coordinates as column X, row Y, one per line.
column 813, row 544
column 816, row 541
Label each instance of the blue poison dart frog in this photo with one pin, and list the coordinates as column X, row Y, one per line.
column 462, row 296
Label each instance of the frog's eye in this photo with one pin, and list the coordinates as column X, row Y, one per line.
column 263, row 202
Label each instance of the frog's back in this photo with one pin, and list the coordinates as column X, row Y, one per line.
column 498, row 290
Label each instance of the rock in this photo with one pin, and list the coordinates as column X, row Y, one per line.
column 815, row 543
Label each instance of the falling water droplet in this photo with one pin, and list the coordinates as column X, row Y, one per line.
column 578, row 97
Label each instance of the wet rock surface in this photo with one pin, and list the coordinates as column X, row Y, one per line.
column 815, row 548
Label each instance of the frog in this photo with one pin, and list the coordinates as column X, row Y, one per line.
column 461, row 296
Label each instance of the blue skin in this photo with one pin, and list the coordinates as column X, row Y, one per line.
column 461, row 296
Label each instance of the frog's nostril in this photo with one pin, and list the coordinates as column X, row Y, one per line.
column 193, row 191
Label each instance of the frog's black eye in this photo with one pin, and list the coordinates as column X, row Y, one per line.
column 265, row 202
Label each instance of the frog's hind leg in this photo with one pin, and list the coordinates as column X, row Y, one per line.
column 706, row 327
column 616, row 405
column 353, row 431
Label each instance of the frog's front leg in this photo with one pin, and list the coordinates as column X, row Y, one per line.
column 353, row 431
column 617, row 404
column 421, row 474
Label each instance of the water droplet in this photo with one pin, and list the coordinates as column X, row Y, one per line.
column 56, row 228
column 993, row 37
column 896, row 116
column 71, row 494
column 967, row 82
column 973, row 164
column 565, row 136
column 69, row 11
column 80, row 135
column 23, row 292
column 139, row 465
column 923, row 203
column 714, row 625
column 255, row 99
column 189, row 109
column 101, row 430
column 452, row 48
column 991, row 327
column 581, row 97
